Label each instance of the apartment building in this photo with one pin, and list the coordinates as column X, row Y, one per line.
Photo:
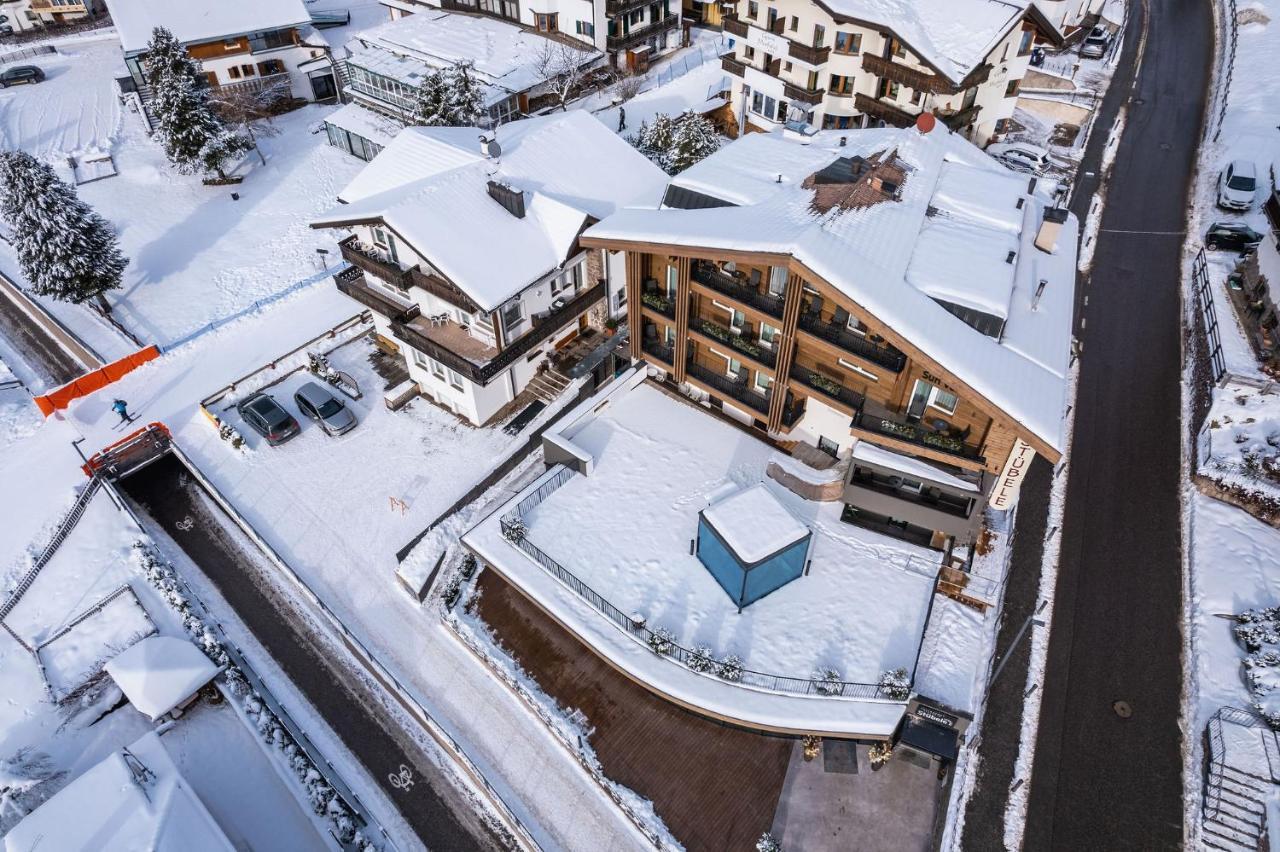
column 632, row 32
column 240, row 45
column 385, row 65
column 892, row 297
column 465, row 247
column 856, row 63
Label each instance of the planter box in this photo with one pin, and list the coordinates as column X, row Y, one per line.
column 398, row 397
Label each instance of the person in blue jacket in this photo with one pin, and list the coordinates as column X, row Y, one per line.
column 122, row 408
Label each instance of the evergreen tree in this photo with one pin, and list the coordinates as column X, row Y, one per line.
column 654, row 140
column 431, row 101
column 693, row 138
column 465, row 105
column 193, row 136
column 64, row 248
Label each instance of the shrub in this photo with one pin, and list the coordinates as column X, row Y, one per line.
column 661, row 640
column 702, row 660
column 828, row 682
column 896, row 685
column 730, row 668
column 768, row 843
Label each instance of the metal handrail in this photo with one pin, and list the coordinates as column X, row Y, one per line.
column 885, row 356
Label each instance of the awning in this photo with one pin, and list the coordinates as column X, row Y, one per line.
column 930, row 738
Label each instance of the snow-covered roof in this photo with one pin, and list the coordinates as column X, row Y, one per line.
column 366, row 123
column 754, row 524
column 193, row 21
column 503, row 56
column 430, row 186
column 134, row 799
column 910, row 465
column 954, row 36
column 948, row 236
column 159, row 673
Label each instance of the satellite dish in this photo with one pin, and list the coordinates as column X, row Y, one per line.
column 926, row 121
column 492, row 149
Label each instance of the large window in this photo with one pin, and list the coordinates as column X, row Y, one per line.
column 848, row 42
column 927, row 395
column 841, row 85
column 356, row 146
column 512, row 319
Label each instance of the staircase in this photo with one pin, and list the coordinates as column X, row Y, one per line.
column 548, row 384
column 1244, row 762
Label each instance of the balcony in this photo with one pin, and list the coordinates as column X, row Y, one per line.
column 883, row 110
column 641, row 34
column 664, row 352
column 856, row 344
column 743, row 342
column 727, row 388
column 614, row 8
column 255, row 86
column 803, row 95
column 733, row 26
column 892, row 425
column 828, row 387
column 961, row 119
column 656, row 301
column 369, row 260
column 912, row 78
column 437, row 286
column 807, row 54
column 792, row 413
column 49, row 7
column 352, row 282
column 737, row 289
column 733, row 66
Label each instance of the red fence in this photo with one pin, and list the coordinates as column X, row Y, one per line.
column 94, row 381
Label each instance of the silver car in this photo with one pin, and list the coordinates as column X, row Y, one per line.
column 326, row 409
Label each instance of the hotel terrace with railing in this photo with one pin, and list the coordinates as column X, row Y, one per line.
column 856, row 64
column 772, row 322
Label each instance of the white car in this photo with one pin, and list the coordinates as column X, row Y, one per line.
column 1020, row 156
column 1095, row 43
column 1237, row 185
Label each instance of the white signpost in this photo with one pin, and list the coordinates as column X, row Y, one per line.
column 1004, row 494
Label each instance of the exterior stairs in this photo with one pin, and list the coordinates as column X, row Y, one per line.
column 548, row 384
column 1244, row 762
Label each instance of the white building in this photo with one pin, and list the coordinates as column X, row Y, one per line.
column 857, row 63
column 240, row 44
column 385, row 65
column 466, row 249
column 632, row 31
column 29, row 14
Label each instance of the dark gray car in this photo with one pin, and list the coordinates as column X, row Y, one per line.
column 20, row 74
column 317, row 403
column 268, row 418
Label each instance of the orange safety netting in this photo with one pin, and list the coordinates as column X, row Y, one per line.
column 94, row 381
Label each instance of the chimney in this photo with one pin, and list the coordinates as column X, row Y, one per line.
column 510, row 198
column 1047, row 237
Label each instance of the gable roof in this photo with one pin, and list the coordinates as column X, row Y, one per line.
column 193, row 21
column 430, row 186
column 947, row 237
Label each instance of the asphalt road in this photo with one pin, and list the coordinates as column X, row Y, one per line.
column 1102, row 780
column 436, row 811
column 41, row 353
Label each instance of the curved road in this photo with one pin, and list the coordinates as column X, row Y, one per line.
column 1101, row 780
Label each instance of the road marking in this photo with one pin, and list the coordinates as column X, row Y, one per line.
column 401, row 780
column 186, row 524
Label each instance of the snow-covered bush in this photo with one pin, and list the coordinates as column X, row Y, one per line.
column 661, row 640
column 730, row 668
column 515, row 530
column 1257, row 628
column 469, row 565
column 827, row 682
column 1259, row 631
column 702, row 659
column 675, row 144
column 768, row 843
column 896, row 685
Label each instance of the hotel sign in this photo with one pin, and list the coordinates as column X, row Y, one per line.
column 937, row 717
column 1004, row 494
column 774, row 45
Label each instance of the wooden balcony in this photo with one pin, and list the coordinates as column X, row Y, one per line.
column 733, row 66
column 439, row 287
column 743, row 342
column 614, row 8
column 849, row 400
column 962, row 118
column 922, row 81
column 883, row 110
column 803, row 95
column 352, row 282
column 856, row 344
column 367, row 258
column 734, row 26
column 738, row 290
column 624, row 41
column 807, row 54
column 727, row 388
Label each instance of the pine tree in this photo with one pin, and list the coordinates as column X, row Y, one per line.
column 64, row 248
column 654, row 140
column 693, row 138
column 193, row 137
column 465, row 96
column 431, row 101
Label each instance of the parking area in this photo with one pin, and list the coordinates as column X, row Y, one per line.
column 75, row 110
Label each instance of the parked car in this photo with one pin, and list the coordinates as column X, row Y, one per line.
column 1236, row 185
column 1232, row 236
column 268, row 418
column 1095, row 44
column 1020, row 156
column 326, row 409
column 20, row 74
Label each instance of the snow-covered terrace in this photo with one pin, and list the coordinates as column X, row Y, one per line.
column 624, row 529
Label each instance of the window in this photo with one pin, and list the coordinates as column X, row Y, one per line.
column 673, row 281
column 546, row 22
column 231, row 44
column 385, row 241
column 635, row 18
column 246, row 70
column 763, row 382
column 737, row 319
column 795, row 24
column 928, row 395
column 437, row 369
column 749, row 53
column 512, row 316
column 1024, row 44
column 840, row 85
column 915, row 97
column 271, row 66
column 421, row 360
column 733, row 367
column 837, row 122
column 848, row 42
column 1011, row 90
column 669, row 335
column 456, row 380
column 944, row 400
column 786, row 66
column 777, row 280
column 896, row 49
column 585, row 28
column 819, row 35
column 893, row 90
column 753, row 9
column 767, row 334
column 772, row 18
column 829, row 447
column 620, row 299
column 234, row 72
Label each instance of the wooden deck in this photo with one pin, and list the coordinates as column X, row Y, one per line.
column 716, row 787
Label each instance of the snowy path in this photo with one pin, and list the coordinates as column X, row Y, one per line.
column 75, row 110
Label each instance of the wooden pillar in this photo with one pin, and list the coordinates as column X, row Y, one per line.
column 635, row 320
column 683, row 267
column 786, row 350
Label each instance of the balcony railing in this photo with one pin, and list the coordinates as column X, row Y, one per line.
column 254, row 86
column 962, row 118
column 827, row 386
column 735, row 389
column 884, row 355
column 660, row 303
column 743, row 342
column 883, row 110
column 664, row 352
column 621, row 7
column 929, row 497
column 914, row 433
column 709, row 276
column 358, row 255
column 439, row 287
column 352, row 282
column 733, row 66
column 800, row 93
column 808, row 54
column 733, row 26
column 626, row 40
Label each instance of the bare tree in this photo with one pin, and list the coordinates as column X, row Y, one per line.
column 563, row 66
column 252, row 110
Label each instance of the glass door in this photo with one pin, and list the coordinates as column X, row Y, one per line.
column 919, row 399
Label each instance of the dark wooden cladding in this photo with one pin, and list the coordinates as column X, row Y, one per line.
column 883, row 110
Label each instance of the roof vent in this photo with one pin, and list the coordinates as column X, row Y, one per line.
column 1021, row 201
column 1031, row 186
column 510, row 198
column 1047, row 237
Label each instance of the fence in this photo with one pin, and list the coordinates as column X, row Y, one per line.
column 1229, row 36
column 694, row 57
column 27, row 53
column 124, row 588
column 1208, row 314
column 60, row 535
column 635, row 628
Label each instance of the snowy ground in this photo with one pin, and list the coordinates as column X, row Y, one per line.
column 19, row 416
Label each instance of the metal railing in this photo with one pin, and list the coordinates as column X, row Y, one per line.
column 642, row 634
column 659, row 303
column 912, row 433
column 351, row 281
column 626, row 40
column 743, row 341
column 827, row 386
column 736, row 389
column 367, row 259
column 664, row 352
column 767, row 303
column 1208, row 314
column 883, row 355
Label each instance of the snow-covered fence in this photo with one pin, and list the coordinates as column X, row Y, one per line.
column 1208, row 314
column 64, row 529
column 515, row 530
column 695, row 57
column 1228, row 30
column 27, row 53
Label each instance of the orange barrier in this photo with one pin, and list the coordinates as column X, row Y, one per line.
column 95, row 381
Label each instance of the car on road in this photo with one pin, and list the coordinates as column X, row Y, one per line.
column 1020, row 156
column 20, row 74
column 1095, row 44
column 268, row 418
column 333, row 415
column 1232, row 236
column 1237, row 185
